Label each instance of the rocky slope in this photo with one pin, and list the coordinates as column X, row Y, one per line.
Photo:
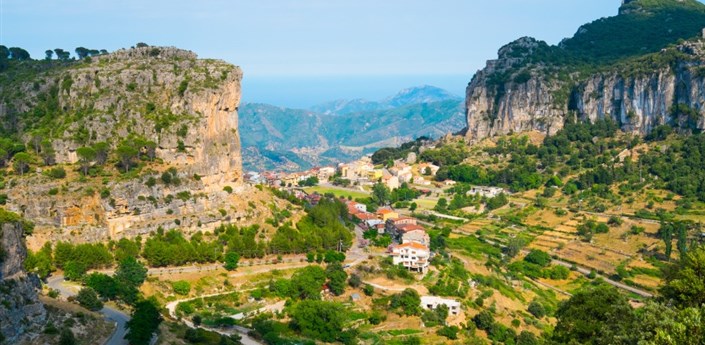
column 599, row 73
column 186, row 106
column 20, row 311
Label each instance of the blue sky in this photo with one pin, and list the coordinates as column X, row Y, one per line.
column 301, row 52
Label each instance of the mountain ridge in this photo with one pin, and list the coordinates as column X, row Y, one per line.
column 326, row 138
column 407, row 96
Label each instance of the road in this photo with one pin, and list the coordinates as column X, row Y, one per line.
column 118, row 338
column 241, row 331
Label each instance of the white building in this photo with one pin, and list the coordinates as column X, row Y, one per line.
column 488, row 192
column 325, row 173
column 412, row 255
column 432, row 302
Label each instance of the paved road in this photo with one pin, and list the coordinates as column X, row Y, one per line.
column 118, row 338
column 241, row 331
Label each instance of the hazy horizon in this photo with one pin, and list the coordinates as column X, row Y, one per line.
column 296, row 92
column 300, row 53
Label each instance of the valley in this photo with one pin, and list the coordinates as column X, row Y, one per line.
column 561, row 201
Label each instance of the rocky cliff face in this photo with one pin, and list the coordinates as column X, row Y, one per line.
column 502, row 99
column 641, row 68
column 20, row 309
column 186, row 106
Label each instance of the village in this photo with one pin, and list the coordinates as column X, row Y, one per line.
column 410, row 241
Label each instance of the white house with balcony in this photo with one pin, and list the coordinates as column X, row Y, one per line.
column 412, row 255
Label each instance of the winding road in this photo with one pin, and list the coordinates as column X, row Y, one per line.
column 118, row 338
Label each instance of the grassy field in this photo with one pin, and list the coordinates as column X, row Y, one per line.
column 337, row 192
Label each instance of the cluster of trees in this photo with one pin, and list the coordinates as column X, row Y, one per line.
column 323, row 227
column 601, row 315
column 390, row 154
column 675, row 228
column 172, row 249
column 382, row 196
column 537, row 264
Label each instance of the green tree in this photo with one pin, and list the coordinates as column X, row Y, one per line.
column 126, row 154
column 538, row 257
column 48, row 153
column 597, row 315
column 685, row 280
column 48, row 54
column 666, row 234
column 336, row 278
column 231, row 260
column 319, row 320
column 408, row 301
column 66, row 337
column 103, row 284
column 102, row 149
column 21, row 162
column 514, row 246
column 381, row 194
column 537, row 309
column 86, row 156
column 484, row 320
column 74, row 270
column 88, row 299
column 307, row 282
column 144, row 322
column 131, row 272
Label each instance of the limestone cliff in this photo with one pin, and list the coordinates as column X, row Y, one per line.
column 186, row 107
column 20, row 311
column 605, row 71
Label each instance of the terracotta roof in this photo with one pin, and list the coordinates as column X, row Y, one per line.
column 410, row 227
column 365, row 216
column 385, row 211
column 413, row 245
column 402, row 219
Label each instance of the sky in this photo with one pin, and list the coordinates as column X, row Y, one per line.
column 298, row 53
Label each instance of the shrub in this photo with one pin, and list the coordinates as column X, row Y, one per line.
column 537, row 309
column 181, row 287
column 88, row 299
column 57, row 173
column 450, row 332
column 484, row 320
column 228, row 189
column 538, row 257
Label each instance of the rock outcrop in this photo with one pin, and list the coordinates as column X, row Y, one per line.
column 185, row 108
column 638, row 101
column 21, row 312
column 534, row 86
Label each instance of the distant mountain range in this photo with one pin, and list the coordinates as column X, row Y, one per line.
column 277, row 138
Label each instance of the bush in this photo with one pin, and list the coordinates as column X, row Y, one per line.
column 57, row 173
column 88, row 299
column 538, row 257
column 368, row 290
column 181, row 287
column 228, row 189
column 450, row 332
column 484, row 320
column 537, row 309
